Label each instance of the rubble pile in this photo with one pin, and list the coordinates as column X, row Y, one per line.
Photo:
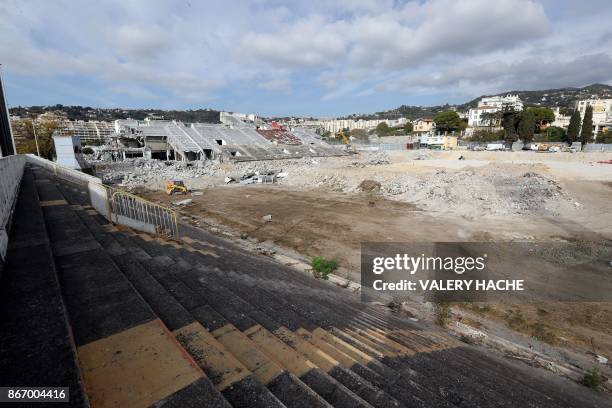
column 369, row 186
column 476, row 192
column 376, row 159
column 333, row 182
column 137, row 172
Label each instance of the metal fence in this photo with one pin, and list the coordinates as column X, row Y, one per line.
column 133, row 211
column 117, row 206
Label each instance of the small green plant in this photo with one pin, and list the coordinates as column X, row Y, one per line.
column 442, row 311
column 593, row 379
column 322, row 267
column 87, row 150
column 466, row 339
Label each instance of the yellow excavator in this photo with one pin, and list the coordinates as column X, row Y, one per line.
column 176, row 187
column 344, row 137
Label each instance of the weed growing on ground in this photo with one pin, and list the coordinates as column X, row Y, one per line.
column 442, row 311
column 593, row 379
column 322, row 267
column 466, row 339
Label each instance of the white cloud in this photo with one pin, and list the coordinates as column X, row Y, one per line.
column 282, row 85
column 194, row 51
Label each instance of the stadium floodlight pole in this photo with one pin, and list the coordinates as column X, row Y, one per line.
column 35, row 137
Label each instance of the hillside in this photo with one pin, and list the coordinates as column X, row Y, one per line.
column 563, row 97
column 88, row 113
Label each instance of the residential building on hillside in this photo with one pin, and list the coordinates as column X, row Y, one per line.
column 423, row 125
column 480, row 116
column 602, row 112
column 336, row 125
column 502, row 101
column 561, row 121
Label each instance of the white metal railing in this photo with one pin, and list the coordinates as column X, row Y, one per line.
column 11, row 172
column 117, row 206
column 139, row 213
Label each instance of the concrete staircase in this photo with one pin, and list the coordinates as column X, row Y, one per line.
column 200, row 323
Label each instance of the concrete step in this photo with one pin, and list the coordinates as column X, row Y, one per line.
column 240, row 343
column 532, row 394
column 290, row 391
column 36, row 346
column 127, row 355
column 208, row 296
column 211, row 295
column 242, row 347
column 229, row 376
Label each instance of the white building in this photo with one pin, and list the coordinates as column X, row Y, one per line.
column 602, row 112
column 336, row 125
column 561, row 121
column 492, row 104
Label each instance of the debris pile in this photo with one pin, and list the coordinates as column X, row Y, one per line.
column 377, row 159
column 490, row 190
column 369, row 186
column 138, row 171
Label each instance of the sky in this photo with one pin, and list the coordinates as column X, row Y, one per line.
column 308, row 58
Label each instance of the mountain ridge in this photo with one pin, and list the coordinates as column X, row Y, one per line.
column 564, row 98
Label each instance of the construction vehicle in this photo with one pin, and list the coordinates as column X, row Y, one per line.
column 176, row 187
column 342, row 135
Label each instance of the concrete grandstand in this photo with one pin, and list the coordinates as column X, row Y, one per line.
column 203, row 141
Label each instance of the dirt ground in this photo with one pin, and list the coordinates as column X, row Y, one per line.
column 324, row 220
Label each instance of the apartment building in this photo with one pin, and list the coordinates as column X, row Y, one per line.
column 602, row 112
column 423, row 125
column 336, row 125
column 479, row 116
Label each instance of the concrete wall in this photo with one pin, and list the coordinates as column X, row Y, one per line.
column 11, row 171
column 598, row 147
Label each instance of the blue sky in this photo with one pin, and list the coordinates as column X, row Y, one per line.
column 319, row 58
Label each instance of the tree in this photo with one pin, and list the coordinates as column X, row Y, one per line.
column 491, row 118
column 382, row 129
column 526, row 126
column 542, row 115
column 555, row 134
column 586, row 133
column 44, row 133
column 448, row 121
column 574, row 127
column 359, row 134
column 485, row 135
column 509, row 123
column 605, row 137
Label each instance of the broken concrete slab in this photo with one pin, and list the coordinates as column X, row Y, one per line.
column 183, row 202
